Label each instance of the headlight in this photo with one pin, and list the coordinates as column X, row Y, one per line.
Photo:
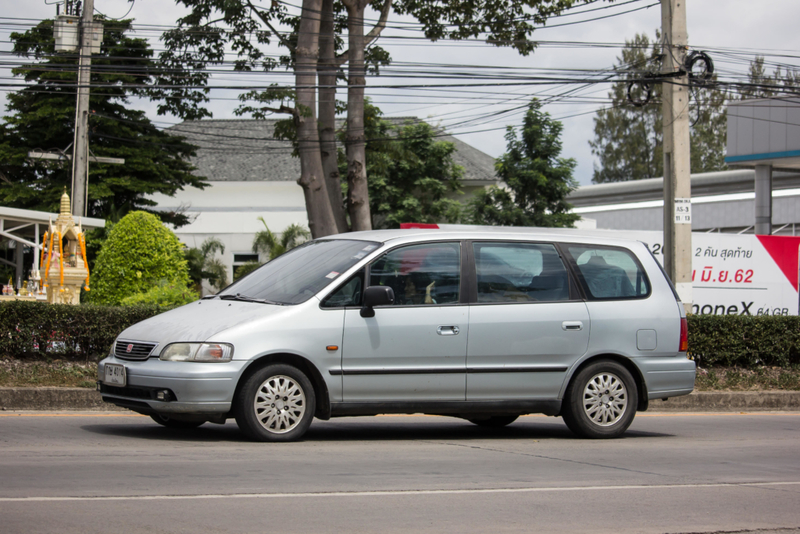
column 197, row 352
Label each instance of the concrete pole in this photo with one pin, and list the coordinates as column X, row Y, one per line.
column 677, row 184
column 80, row 155
column 763, row 187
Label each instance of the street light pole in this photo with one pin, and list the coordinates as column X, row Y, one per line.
column 80, row 159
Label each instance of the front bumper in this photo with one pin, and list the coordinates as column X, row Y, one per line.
column 194, row 388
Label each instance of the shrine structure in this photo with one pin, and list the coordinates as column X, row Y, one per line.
column 63, row 258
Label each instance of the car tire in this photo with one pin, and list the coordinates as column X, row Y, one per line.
column 170, row 422
column 494, row 421
column 276, row 403
column 600, row 401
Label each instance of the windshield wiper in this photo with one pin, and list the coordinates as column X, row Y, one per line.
column 242, row 298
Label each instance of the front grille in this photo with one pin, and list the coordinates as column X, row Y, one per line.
column 139, row 350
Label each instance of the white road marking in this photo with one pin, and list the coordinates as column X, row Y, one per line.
column 394, row 493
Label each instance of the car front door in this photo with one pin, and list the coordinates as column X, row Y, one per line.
column 527, row 324
column 414, row 349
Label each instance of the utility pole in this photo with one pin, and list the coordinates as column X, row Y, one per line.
column 80, row 159
column 677, row 177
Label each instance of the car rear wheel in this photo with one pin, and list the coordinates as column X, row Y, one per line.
column 494, row 421
column 170, row 422
column 600, row 401
column 275, row 404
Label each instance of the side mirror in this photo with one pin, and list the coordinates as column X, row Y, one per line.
column 376, row 296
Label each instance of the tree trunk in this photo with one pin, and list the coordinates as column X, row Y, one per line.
column 328, row 65
column 355, row 141
column 312, row 176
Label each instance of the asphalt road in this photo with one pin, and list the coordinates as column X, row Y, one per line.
column 671, row 473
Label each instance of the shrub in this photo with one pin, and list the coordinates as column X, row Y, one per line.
column 38, row 330
column 139, row 254
column 745, row 341
column 164, row 295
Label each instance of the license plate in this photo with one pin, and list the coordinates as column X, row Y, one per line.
column 115, row 375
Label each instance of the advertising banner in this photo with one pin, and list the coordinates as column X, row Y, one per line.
column 738, row 274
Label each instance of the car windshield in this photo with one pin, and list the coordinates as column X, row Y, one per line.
column 299, row 274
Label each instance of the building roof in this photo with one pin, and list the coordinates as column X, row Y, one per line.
column 241, row 150
column 705, row 184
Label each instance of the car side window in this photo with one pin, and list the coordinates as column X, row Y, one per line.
column 609, row 273
column 520, row 272
column 349, row 294
column 427, row 274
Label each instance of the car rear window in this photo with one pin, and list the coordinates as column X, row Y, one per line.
column 609, row 272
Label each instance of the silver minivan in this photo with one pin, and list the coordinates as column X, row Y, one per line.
column 484, row 324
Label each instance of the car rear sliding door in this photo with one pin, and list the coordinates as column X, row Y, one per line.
column 527, row 324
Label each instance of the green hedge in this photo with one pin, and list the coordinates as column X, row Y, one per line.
column 40, row 331
column 745, row 341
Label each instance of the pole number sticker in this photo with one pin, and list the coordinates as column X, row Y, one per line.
column 683, row 211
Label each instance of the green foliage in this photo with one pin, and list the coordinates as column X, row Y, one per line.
column 216, row 27
column 140, row 253
column 745, row 341
column 502, row 22
column 763, row 85
column 40, row 330
column 410, row 173
column 163, row 295
column 204, row 265
column 537, row 179
column 41, row 117
column 265, row 242
column 245, row 269
column 629, row 139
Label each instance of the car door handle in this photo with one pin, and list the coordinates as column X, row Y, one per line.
column 447, row 330
column 572, row 325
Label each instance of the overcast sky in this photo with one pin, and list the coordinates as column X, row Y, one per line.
column 749, row 27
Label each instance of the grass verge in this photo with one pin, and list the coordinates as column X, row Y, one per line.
column 738, row 379
column 56, row 373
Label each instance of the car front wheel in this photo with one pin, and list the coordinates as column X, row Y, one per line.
column 276, row 404
column 600, row 401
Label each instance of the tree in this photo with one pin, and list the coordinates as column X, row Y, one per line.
column 537, row 180
column 139, row 254
column 204, row 265
column 265, row 242
column 201, row 40
column 41, row 116
column 628, row 138
column 763, row 85
column 410, row 172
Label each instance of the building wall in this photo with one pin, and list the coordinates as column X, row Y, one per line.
column 730, row 213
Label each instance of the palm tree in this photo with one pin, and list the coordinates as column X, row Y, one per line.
column 204, row 265
column 265, row 241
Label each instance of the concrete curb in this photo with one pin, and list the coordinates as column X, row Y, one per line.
column 84, row 399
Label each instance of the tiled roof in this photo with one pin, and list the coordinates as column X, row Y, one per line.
column 245, row 150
